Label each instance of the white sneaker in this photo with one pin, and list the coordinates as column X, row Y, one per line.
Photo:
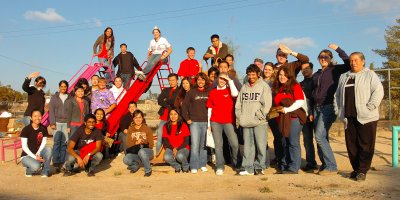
column 139, row 73
column 44, row 176
column 28, row 175
column 193, row 171
column 204, row 169
column 245, row 173
column 219, row 172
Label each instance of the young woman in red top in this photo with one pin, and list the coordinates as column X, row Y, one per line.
column 102, row 125
column 286, row 88
column 175, row 138
column 221, row 117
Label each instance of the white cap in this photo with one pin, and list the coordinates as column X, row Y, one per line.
column 156, row 28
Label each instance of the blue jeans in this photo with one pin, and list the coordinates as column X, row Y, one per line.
column 278, row 143
column 26, row 120
column 159, row 135
column 152, row 61
column 126, row 78
column 254, row 138
column 198, row 152
column 33, row 166
column 70, row 161
column 122, row 138
column 181, row 157
column 60, row 143
column 143, row 157
column 324, row 116
column 292, row 147
column 308, row 140
column 229, row 130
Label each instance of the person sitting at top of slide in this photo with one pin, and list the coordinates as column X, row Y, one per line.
column 159, row 49
column 217, row 51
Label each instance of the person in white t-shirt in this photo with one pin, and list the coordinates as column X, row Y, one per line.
column 159, row 49
column 117, row 89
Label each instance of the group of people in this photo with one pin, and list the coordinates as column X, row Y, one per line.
column 210, row 104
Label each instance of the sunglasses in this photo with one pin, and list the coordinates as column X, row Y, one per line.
column 282, row 55
column 324, row 57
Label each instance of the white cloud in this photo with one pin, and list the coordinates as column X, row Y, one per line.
column 371, row 6
column 292, row 43
column 50, row 15
column 94, row 22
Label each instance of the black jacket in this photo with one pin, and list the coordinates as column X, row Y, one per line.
column 126, row 69
column 165, row 101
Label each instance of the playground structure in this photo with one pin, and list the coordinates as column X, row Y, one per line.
column 133, row 90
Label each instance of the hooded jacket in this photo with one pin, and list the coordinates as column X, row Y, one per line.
column 368, row 91
column 253, row 104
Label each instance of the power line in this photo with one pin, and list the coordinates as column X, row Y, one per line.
column 132, row 17
column 33, row 66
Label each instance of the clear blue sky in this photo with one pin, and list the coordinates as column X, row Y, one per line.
column 58, row 35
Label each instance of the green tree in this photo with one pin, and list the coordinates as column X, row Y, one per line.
column 7, row 94
column 392, row 54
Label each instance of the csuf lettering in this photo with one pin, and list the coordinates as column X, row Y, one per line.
column 253, row 96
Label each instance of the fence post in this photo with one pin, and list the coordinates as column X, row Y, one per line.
column 395, row 146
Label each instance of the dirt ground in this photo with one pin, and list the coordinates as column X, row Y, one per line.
column 113, row 181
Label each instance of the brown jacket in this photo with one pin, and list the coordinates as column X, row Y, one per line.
column 296, row 65
column 223, row 50
column 144, row 133
column 286, row 118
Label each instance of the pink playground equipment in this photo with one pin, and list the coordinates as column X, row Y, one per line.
column 133, row 91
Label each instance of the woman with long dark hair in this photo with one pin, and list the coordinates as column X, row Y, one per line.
column 76, row 108
column 103, row 48
column 289, row 99
column 183, row 90
column 175, row 139
column 194, row 111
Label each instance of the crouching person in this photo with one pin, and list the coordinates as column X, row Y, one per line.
column 175, row 139
column 35, row 154
column 84, row 148
column 139, row 143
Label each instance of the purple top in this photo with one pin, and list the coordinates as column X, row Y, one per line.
column 326, row 81
column 102, row 99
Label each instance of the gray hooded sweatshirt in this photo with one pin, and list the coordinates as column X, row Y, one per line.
column 253, row 104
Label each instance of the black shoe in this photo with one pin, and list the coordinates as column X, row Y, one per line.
column 278, row 171
column 289, row 172
column 309, row 168
column 134, row 171
column 67, row 173
column 361, row 177
column 147, row 174
column 90, row 173
column 259, row 172
column 186, row 171
column 353, row 175
column 177, row 170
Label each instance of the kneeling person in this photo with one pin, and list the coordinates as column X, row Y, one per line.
column 175, row 139
column 139, row 143
column 84, row 147
column 34, row 150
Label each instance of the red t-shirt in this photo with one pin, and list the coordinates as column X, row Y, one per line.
column 189, row 68
column 99, row 125
column 174, row 139
column 103, row 53
column 222, row 105
column 164, row 116
column 297, row 92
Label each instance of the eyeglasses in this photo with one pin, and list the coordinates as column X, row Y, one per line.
column 324, row 57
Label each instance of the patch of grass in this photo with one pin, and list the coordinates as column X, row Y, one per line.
column 117, row 173
column 264, row 179
column 264, row 189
